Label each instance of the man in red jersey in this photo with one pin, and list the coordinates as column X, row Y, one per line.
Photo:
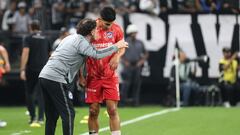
column 102, row 80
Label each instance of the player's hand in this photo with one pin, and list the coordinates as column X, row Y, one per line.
column 122, row 44
column 82, row 82
column 23, row 75
column 114, row 62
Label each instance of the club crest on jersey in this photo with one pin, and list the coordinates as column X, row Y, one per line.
column 109, row 34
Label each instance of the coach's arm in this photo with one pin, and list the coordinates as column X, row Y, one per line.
column 89, row 50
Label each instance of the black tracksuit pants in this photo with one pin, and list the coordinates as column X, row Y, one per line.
column 33, row 94
column 58, row 102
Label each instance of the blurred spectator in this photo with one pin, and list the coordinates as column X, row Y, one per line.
column 75, row 10
column 187, row 73
column 21, row 19
column 63, row 33
column 7, row 22
column 35, row 53
column 4, row 61
column 150, row 6
column 58, row 15
column 228, row 68
column 3, row 7
column 133, row 6
column 171, row 5
column 208, row 6
column 189, row 6
column 70, row 11
column 105, row 3
column 3, row 4
column 39, row 12
column 125, row 6
column 95, row 6
column 230, row 6
column 133, row 61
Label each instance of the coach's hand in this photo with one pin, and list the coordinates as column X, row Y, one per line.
column 122, row 44
column 23, row 75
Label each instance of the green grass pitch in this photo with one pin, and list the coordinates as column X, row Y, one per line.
column 186, row 121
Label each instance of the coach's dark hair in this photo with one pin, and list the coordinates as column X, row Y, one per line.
column 108, row 14
column 85, row 26
column 35, row 25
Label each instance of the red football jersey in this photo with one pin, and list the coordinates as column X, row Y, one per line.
column 100, row 69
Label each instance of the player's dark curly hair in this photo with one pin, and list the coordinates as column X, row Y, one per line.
column 108, row 14
column 85, row 26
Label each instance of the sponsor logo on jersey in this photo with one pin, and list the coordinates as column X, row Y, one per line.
column 102, row 45
column 91, row 90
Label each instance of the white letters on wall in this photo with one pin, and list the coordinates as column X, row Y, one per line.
column 213, row 42
column 158, row 30
column 179, row 33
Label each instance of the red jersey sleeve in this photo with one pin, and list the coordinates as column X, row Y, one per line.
column 119, row 33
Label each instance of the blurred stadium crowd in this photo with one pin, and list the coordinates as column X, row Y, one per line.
column 53, row 14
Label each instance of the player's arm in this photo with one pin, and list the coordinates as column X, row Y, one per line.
column 120, row 52
column 227, row 66
column 4, row 54
column 23, row 63
column 82, row 81
column 116, row 58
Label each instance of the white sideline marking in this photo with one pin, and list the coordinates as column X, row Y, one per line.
column 22, row 132
column 138, row 119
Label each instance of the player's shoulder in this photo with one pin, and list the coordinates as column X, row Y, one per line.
column 116, row 27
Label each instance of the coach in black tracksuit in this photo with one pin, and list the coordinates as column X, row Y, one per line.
column 35, row 53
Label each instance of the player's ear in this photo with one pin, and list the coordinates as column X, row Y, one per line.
column 93, row 32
